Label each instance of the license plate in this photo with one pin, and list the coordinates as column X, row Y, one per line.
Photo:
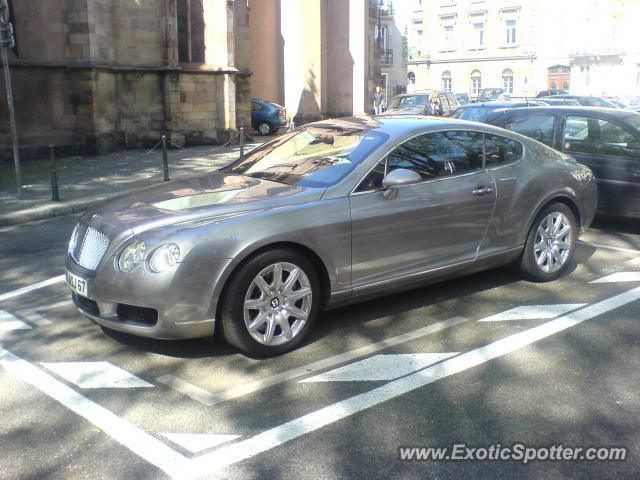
column 77, row 284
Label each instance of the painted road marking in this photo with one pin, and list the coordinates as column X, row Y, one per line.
column 198, row 442
column 9, row 322
column 619, row 277
column 34, row 318
column 534, row 312
column 31, row 288
column 188, row 389
column 247, row 388
column 63, row 303
column 609, row 247
column 381, row 367
column 95, row 375
column 135, row 439
column 274, row 437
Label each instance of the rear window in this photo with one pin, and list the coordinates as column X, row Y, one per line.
column 538, row 127
column 474, row 114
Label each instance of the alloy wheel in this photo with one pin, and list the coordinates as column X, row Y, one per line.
column 553, row 242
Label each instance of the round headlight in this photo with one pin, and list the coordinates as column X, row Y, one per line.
column 131, row 256
column 164, row 257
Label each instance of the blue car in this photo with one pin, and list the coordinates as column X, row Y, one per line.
column 267, row 117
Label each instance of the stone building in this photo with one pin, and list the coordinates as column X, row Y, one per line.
column 317, row 58
column 94, row 75
column 393, row 70
column 585, row 46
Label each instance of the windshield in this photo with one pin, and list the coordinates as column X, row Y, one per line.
column 597, row 102
column 318, row 156
column 411, row 101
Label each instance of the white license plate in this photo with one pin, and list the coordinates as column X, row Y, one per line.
column 77, row 284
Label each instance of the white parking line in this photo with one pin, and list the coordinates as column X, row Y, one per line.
column 60, row 304
column 34, row 318
column 608, row 247
column 210, row 399
column 262, row 442
column 135, row 439
column 31, row 288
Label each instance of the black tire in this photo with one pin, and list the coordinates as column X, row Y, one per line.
column 550, row 267
column 265, row 128
column 231, row 312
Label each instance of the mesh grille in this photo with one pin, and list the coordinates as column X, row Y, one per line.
column 91, row 249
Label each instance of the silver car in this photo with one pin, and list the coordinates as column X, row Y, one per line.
column 324, row 215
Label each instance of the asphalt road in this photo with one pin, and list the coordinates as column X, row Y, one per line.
column 486, row 359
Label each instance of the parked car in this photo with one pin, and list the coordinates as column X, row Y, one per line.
column 557, row 102
column 489, row 94
column 324, row 215
column 267, row 117
column 416, row 103
column 588, row 101
column 463, row 98
column 633, row 108
column 478, row 112
column 605, row 140
column 549, row 93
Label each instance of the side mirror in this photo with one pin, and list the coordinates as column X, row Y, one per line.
column 400, row 177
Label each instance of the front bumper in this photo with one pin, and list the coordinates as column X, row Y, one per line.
column 177, row 304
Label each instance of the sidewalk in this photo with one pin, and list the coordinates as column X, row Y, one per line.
column 88, row 180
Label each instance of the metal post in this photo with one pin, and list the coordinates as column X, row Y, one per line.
column 242, row 141
column 165, row 160
column 12, row 118
column 55, row 194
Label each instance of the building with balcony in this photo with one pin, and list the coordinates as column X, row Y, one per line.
column 585, row 46
column 317, row 58
column 99, row 74
column 390, row 39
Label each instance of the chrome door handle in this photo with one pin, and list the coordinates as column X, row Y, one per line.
column 482, row 191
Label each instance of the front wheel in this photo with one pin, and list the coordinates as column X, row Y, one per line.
column 550, row 244
column 270, row 303
column 265, row 128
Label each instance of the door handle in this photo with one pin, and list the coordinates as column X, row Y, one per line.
column 482, row 191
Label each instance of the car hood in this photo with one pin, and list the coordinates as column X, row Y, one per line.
column 209, row 196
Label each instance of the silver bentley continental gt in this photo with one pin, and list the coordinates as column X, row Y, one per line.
column 325, row 215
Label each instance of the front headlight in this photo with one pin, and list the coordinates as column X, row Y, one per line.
column 164, row 257
column 73, row 241
column 131, row 256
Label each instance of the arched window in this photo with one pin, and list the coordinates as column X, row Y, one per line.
column 446, row 81
column 411, row 77
column 476, row 83
column 507, row 81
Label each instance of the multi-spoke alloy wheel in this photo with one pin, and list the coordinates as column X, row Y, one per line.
column 277, row 303
column 550, row 244
column 270, row 303
column 553, row 242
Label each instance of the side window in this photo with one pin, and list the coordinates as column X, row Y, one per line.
column 373, row 180
column 594, row 135
column 444, row 102
column 439, row 154
column 538, row 127
column 501, row 151
column 255, row 106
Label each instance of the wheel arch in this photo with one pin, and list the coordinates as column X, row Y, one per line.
column 316, row 260
column 558, row 198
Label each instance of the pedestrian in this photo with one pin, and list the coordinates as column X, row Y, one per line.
column 434, row 108
column 378, row 101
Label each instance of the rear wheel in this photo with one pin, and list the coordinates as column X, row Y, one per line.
column 270, row 303
column 550, row 244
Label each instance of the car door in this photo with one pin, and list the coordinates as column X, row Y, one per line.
column 432, row 224
column 607, row 147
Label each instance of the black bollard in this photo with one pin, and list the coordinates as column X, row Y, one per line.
column 55, row 194
column 165, row 160
column 241, row 141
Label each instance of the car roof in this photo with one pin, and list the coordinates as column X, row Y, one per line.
column 404, row 125
column 608, row 112
column 497, row 104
